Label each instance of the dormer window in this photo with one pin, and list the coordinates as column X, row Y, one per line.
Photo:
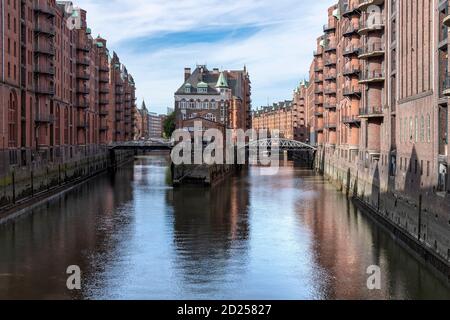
column 187, row 88
column 202, row 87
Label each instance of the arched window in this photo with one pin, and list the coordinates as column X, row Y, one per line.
column 12, row 120
column 422, row 129
column 66, row 126
column 411, row 129
column 416, row 129
column 57, row 126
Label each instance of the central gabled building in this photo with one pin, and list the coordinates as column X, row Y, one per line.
column 218, row 96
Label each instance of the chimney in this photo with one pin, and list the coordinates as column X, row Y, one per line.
column 187, row 73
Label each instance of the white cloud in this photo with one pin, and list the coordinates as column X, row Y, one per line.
column 277, row 56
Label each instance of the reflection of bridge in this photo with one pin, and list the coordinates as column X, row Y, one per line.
column 145, row 145
column 282, row 144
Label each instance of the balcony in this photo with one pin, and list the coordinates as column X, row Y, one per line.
column 45, row 49
column 446, row 86
column 82, row 124
column 43, row 118
column 318, row 53
column 318, row 91
column 331, row 126
column 318, row 113
column 330, row 90
column 82, row 104
column 446, row 21
column 372, row 76
column 367, row 25
column 46, row 70
column 103, row 102
column 318, row 68
column 364, row 4
column 318, row 79
column 83, row 47
column 103, row 69
column 45, row 10
column 351, row 71
column 351, row 91
column 45, row 90
column 103, row 113
column 351, row 120
column 45, row 29
column 371, row 50
column 103, row 90
column 83, row 75
column 103, row 79
column 329, row 28
column 330, row 77
column 83, row 62
column 329, row 46
column 330, row 62
column 351, row 50
column 371, row 112
column 83, row 90
column 349, row 9
column 330, row 106
column 351, row 30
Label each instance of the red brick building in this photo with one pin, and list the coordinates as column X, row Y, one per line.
column 380, row 84
column 62, row 94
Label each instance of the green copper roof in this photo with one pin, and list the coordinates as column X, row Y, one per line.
column 222, row 82
column 88, row 31
column 99, row 44
column 202, row 85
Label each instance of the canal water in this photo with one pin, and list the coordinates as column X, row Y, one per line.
column 289, row 236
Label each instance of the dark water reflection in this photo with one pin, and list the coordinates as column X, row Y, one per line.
column 252, row 237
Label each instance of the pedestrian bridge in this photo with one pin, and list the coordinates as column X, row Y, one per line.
column 282, row 144
column 145, row 145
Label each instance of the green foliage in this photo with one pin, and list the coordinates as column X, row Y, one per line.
column 169, row 125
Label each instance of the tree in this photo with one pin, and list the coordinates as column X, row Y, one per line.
column 169, row 125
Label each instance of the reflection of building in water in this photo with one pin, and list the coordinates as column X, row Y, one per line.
column 37, row 249
column 208, row 225
column 346, row 243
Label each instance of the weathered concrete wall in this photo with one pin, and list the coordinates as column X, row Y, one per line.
column 420, row 221
column 201, row 174
column 21, row 183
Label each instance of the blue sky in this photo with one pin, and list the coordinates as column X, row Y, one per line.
column 157, row 39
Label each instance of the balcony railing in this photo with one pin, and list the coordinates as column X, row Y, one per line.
column 373, row 111
column 330, row 90
column 329, row 27
column 351, row 70
column 367, row 24
column 446, row 85
column 83, row 90
column 83, row 61
column 82, row 104
column 329, row 45
column 103, row 113
column 83, row 75
column 376, row 48
column 350, row 8
column 44, row 28
column 48, row 70
column 45, row 49
column 350, row 30
column 351, row 49
column 45, row 90
column 318, row 52
column 103, row 90
column 44, row 9
column 351, row 91
column 364, row 4
column 351, row 119
column 330, row 62
column 330, row 106
column 83, row 47
column 42, row 117
column 371, row 76
column 330, row 76
column 103, row 78
column 331, row 125
column 103, row 101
